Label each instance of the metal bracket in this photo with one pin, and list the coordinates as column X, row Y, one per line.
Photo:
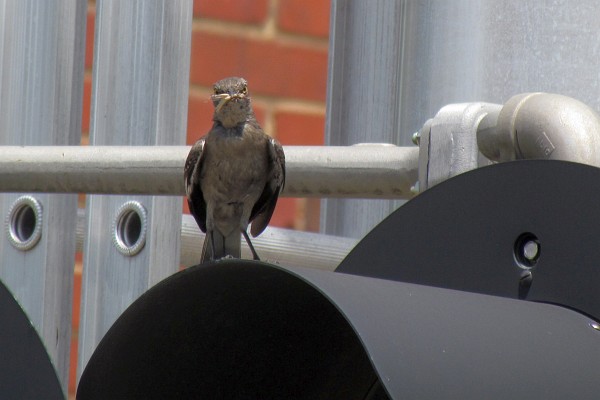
column 448, row 141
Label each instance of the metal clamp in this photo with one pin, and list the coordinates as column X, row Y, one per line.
column 129, row 228
column 24, row 223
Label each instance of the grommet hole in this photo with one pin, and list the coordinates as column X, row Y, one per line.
column 24, row 223
column 129, row 228
column 527, row 250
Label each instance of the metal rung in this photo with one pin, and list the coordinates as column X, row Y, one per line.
column 361, row 171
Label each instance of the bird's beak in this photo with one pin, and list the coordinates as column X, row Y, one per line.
column 224, row 99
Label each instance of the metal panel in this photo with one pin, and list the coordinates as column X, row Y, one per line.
column 518, row 229
column 140, row 91
column 237, row 329
column 432, row 343
column 308, row 334
column 41, row 89
column 436, row 52
column 464, row 51
column 25, row 368
column 362, row 97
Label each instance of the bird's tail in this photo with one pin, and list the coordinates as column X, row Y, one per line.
column 230, row 245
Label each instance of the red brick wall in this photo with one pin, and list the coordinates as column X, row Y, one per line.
column 280, row 47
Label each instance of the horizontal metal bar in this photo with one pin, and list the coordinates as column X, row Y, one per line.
column 274, row 245
column 361, row 171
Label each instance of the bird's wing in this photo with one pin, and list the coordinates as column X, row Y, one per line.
column 193, row 190
column 264, row 207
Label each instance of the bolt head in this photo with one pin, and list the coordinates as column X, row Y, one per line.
column 527, row 249
column 416, row 138
column 531, row 250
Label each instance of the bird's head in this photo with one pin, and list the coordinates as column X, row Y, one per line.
column 231, row 101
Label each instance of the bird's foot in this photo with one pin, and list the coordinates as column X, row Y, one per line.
column 254, row 254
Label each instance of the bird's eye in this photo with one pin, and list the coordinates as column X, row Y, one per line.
column 215, row 90
column 244, row 90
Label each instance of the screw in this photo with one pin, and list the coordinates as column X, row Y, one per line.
column 531, row 250
column 416, row 138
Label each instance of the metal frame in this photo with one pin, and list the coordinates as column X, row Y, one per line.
column 41, row 97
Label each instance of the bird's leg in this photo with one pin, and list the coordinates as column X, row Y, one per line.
column 254, row 255
column 212, row 246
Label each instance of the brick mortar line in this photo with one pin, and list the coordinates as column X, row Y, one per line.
column 300, row 107
column 271, row 23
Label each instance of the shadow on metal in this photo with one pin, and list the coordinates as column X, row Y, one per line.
column 25, row 368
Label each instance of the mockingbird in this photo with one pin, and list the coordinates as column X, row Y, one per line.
column 233, row 175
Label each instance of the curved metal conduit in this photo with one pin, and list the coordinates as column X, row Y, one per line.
column 542, row 126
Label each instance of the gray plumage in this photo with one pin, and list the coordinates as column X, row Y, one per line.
column 233, row 175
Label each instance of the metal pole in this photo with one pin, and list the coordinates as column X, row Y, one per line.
column 140, row 94
column 365, row 171
column 41, row 89
column 363, row 100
